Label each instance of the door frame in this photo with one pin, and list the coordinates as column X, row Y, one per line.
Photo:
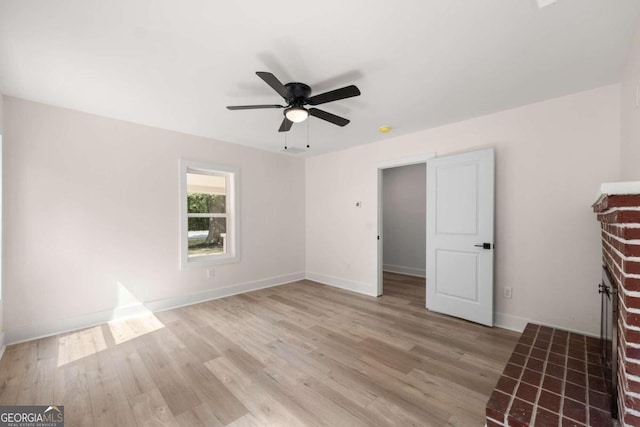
column 380, row 166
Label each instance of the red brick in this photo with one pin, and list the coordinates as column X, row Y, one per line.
column 612, row 259
column 616, row 201
column 629, row 233
column 614, row 229
column 630, row 249
column 628, row 401
column 497, row 405
column 633, row 386
column 546, row 418
column 631, row 302
column 520, row 412
column 600, row 418
column 575, row 410
column 633, row 285
column 632, row 336
column 631, row 267
column 627, row 217
column 630, row 318
column 631, row 420
column 620, row 217
column 632, row 352
column 631, row 368
column 605, row 218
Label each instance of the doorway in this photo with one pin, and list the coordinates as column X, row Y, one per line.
column 420, row 161
column 404, row 216
column 459, row 233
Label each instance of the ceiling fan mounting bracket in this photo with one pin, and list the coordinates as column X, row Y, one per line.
column 299, row 93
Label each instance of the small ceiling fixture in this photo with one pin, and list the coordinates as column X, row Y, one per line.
column 296, row 114
column 545, row 3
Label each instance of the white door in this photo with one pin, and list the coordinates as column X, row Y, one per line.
column 460, row 235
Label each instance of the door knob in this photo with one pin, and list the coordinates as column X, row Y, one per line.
column 483, row 246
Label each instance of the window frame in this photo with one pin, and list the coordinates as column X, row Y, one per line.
column 232, row 214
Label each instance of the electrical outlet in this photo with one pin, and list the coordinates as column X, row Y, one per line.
column 506, row 293
column 211, row 273
column 636, row 104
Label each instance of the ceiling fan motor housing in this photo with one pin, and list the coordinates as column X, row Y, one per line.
column 299, row 93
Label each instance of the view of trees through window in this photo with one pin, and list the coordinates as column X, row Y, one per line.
column 207, row 223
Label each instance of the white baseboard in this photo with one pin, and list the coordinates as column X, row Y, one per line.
column 517, row 324
column 510, row 322
column 31, row 332
column 181, row 301
column 349, row 285
column 409, row 271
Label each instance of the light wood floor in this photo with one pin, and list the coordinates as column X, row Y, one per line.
column 299, row 354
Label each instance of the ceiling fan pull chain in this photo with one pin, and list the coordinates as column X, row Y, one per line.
column 285, row 141
column 308, row 124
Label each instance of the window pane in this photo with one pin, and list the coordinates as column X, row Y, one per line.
column 206, row 193
column 207, row 236
column 206, row 203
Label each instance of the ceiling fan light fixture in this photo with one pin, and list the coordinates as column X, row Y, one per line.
column 296, row 114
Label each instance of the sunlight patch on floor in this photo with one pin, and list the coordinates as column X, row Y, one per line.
column 80, row 344
column 125, row 327
column 128, row 329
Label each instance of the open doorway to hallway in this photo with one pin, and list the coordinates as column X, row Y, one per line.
column 407, row 288
column 404, row 229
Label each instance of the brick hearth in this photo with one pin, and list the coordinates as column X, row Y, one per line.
column 553, row 378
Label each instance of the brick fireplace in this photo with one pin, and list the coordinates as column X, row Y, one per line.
column 618, row 210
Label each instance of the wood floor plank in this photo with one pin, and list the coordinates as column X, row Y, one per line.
column 132, row 371
column 150, row 409
column 72, row 390
column 210, row 390
column 200, row 416
column 301, row 354
column 262, row 405
column 16, row 362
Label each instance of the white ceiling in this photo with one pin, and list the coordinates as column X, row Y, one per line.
column 418, row 63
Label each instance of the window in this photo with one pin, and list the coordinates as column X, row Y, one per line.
column 209, row 214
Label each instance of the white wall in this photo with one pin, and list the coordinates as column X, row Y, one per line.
column 551, row 158
column 91, row 215
column 404, row 194
column 630, row 129
column 2, row 340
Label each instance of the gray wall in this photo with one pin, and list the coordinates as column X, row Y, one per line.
column 404, row 219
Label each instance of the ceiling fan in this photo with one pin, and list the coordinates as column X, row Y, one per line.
column 297, row 96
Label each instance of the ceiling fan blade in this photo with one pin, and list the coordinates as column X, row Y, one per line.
column 252, row 107
column 321, row 114
column 334, row 95
column 286, row 125
column 273, row 81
